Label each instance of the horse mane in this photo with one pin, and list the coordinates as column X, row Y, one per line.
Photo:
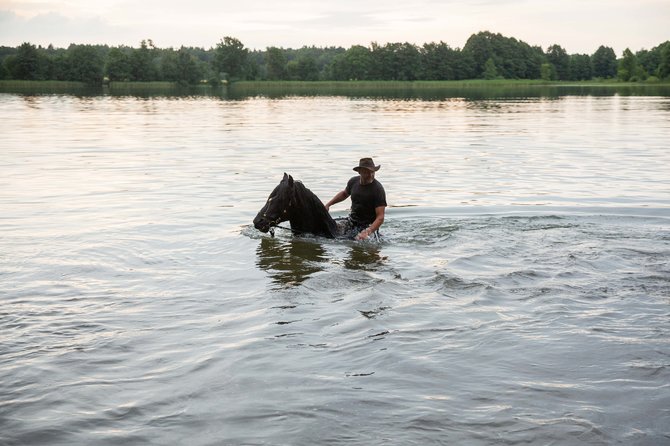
column 306, row 199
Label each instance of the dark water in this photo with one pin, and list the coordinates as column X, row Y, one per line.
column 520, row 294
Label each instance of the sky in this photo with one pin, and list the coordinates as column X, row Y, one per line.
column 579, row 26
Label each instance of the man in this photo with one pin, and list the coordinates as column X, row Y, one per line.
column 368, row 200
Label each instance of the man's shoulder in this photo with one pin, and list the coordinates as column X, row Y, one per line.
column 350, row 185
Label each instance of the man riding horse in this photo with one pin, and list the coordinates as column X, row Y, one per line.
column 292, row 201
column 368, row 200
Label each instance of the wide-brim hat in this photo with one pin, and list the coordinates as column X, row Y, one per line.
column 367, row 163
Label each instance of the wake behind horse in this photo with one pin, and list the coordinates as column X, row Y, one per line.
column 292, row 201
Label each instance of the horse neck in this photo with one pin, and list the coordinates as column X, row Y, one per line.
column 303, row 204
column 308, row 212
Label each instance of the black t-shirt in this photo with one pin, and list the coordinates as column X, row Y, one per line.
column 364, row 199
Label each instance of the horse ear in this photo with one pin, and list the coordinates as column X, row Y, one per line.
column 290, row 181
column 285, row 177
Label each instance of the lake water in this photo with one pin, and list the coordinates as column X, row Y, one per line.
column 520, row 293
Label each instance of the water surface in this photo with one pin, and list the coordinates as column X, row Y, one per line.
column 519, row 296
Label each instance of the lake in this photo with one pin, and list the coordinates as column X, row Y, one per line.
column 520, row 293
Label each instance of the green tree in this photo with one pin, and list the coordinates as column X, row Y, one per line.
column 513, row 59
column 463, row 65
column 438, row 61
column 141, row 63
column 85, row 64
column 168, row 65
column 324, row 59
column 380, row 62
column 395, row 61
column 47, row 65
column 6, row 54
column 117, row 66
column 60, row 67
column 630, row 69
column 382, row 66
column 580, row 67
column 181, row 66
column 25, row 64
column 664, row 64
column 547, row 72
column 490, row 71
column 537, row 58
column 253, row 70
column 651, row 60
column 304, row 68
column 407, row 62
column 292, row 70
column 559, row 58
column 188, row 69
column 480, row 47
column 604, row 63
column 648, row 60
column 4, row 72
column 275, row 64
column 230, row 57
column 354, row 64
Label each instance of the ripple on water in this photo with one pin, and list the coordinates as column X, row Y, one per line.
column 140, row 306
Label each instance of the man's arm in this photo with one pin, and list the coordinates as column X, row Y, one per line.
column 340, row 196
column 379, row 220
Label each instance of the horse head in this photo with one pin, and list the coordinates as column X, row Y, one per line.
column 276, row 209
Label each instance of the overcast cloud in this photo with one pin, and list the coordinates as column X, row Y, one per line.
column 580, row 26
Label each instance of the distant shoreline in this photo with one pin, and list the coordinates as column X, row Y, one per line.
column 297, row 87
column 456, row 83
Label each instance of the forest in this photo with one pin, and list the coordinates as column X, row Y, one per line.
column 485, row 55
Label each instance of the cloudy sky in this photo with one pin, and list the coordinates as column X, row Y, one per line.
column 579, row 26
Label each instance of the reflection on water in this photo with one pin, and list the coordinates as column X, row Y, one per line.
column 431, row 91
column 426, row 91
column 364, row 256
column 290, row 262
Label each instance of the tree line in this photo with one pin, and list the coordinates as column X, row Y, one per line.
column 485, row 55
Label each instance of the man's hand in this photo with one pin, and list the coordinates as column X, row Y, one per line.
column 364, row 234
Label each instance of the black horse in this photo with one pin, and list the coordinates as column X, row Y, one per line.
column 292, row 201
